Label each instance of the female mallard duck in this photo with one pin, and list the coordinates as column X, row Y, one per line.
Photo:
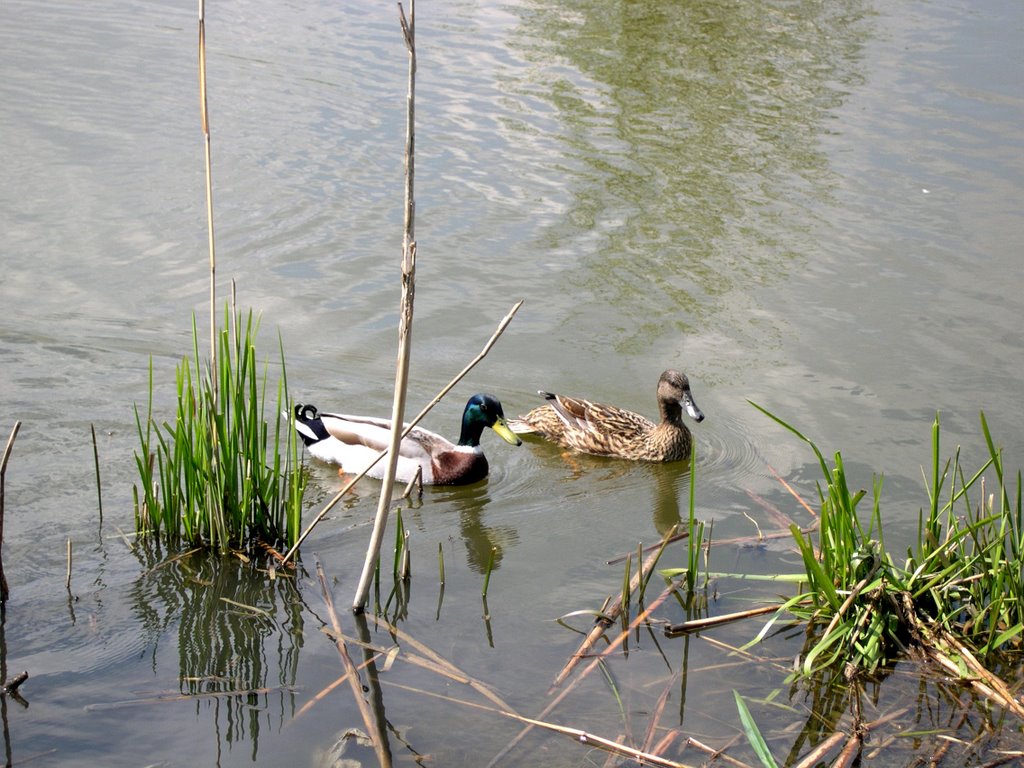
column 605, row 430
column 352, row 442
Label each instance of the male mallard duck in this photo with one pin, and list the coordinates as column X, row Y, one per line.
column 352, row 442
column 605, row 430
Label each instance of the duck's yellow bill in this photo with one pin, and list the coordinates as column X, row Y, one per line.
column 507, row 434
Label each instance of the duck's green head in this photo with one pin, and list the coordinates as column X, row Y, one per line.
column 484, row 410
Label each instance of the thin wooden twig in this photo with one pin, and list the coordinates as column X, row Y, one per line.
column 4, row 592
column 99, row 487
column 792, row 492
column 320, row 696
column 14, row 683
column 621, row 638
column 608, row 617
column 719, row 753
column 205, row 122
column 580, row 736
column 429, row 653
column 655, row 716
column 667, row 540
column 695, row 625
column 383, row 754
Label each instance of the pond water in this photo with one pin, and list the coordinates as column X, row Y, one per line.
column 812, row 206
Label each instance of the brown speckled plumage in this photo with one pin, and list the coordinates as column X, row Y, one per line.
column 606, row 430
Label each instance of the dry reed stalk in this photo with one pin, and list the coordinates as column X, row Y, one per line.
column 782, row 520
column 933, row 646
column 578, row 735
column 718, row 754
column 320, row 696
column 741, row 540
column 96, row 461
column 205, row 121
column 67, row 578
column 655, row 716
column 408, row 428
column 395, row 652
column 125, row 539
column 383, row 754
column 665, row 742
column 988, row 683
column 14, row 683
column 763, row 537
column 817, row 754
column 405, row 320
column 4, row 591
column 852, row 748
column 594, row 662
column 416, row 481
column 792, row 492
column 743, row 656
column 602, row 623
column 429, row 653
column 668, row 540
column 695, row 625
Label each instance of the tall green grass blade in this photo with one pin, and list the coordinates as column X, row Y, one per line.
column 753, row 733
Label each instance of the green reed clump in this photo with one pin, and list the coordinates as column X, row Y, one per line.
column 961, row 587
column 217, row 475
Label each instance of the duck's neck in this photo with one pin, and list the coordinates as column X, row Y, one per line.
column 671, row 412
column 470, row 437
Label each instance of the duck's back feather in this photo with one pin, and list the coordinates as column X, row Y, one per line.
column 607, row 430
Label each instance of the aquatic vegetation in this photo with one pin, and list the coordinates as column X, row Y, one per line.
column 217, row 475
column 958, row 598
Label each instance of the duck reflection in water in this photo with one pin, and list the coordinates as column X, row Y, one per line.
column 483, row 542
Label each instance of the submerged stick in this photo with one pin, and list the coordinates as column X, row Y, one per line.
column 383, row 754
column 608, row 618
column 594, row 662
column 4, row 592
column 578, row 735
column 695, row 625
